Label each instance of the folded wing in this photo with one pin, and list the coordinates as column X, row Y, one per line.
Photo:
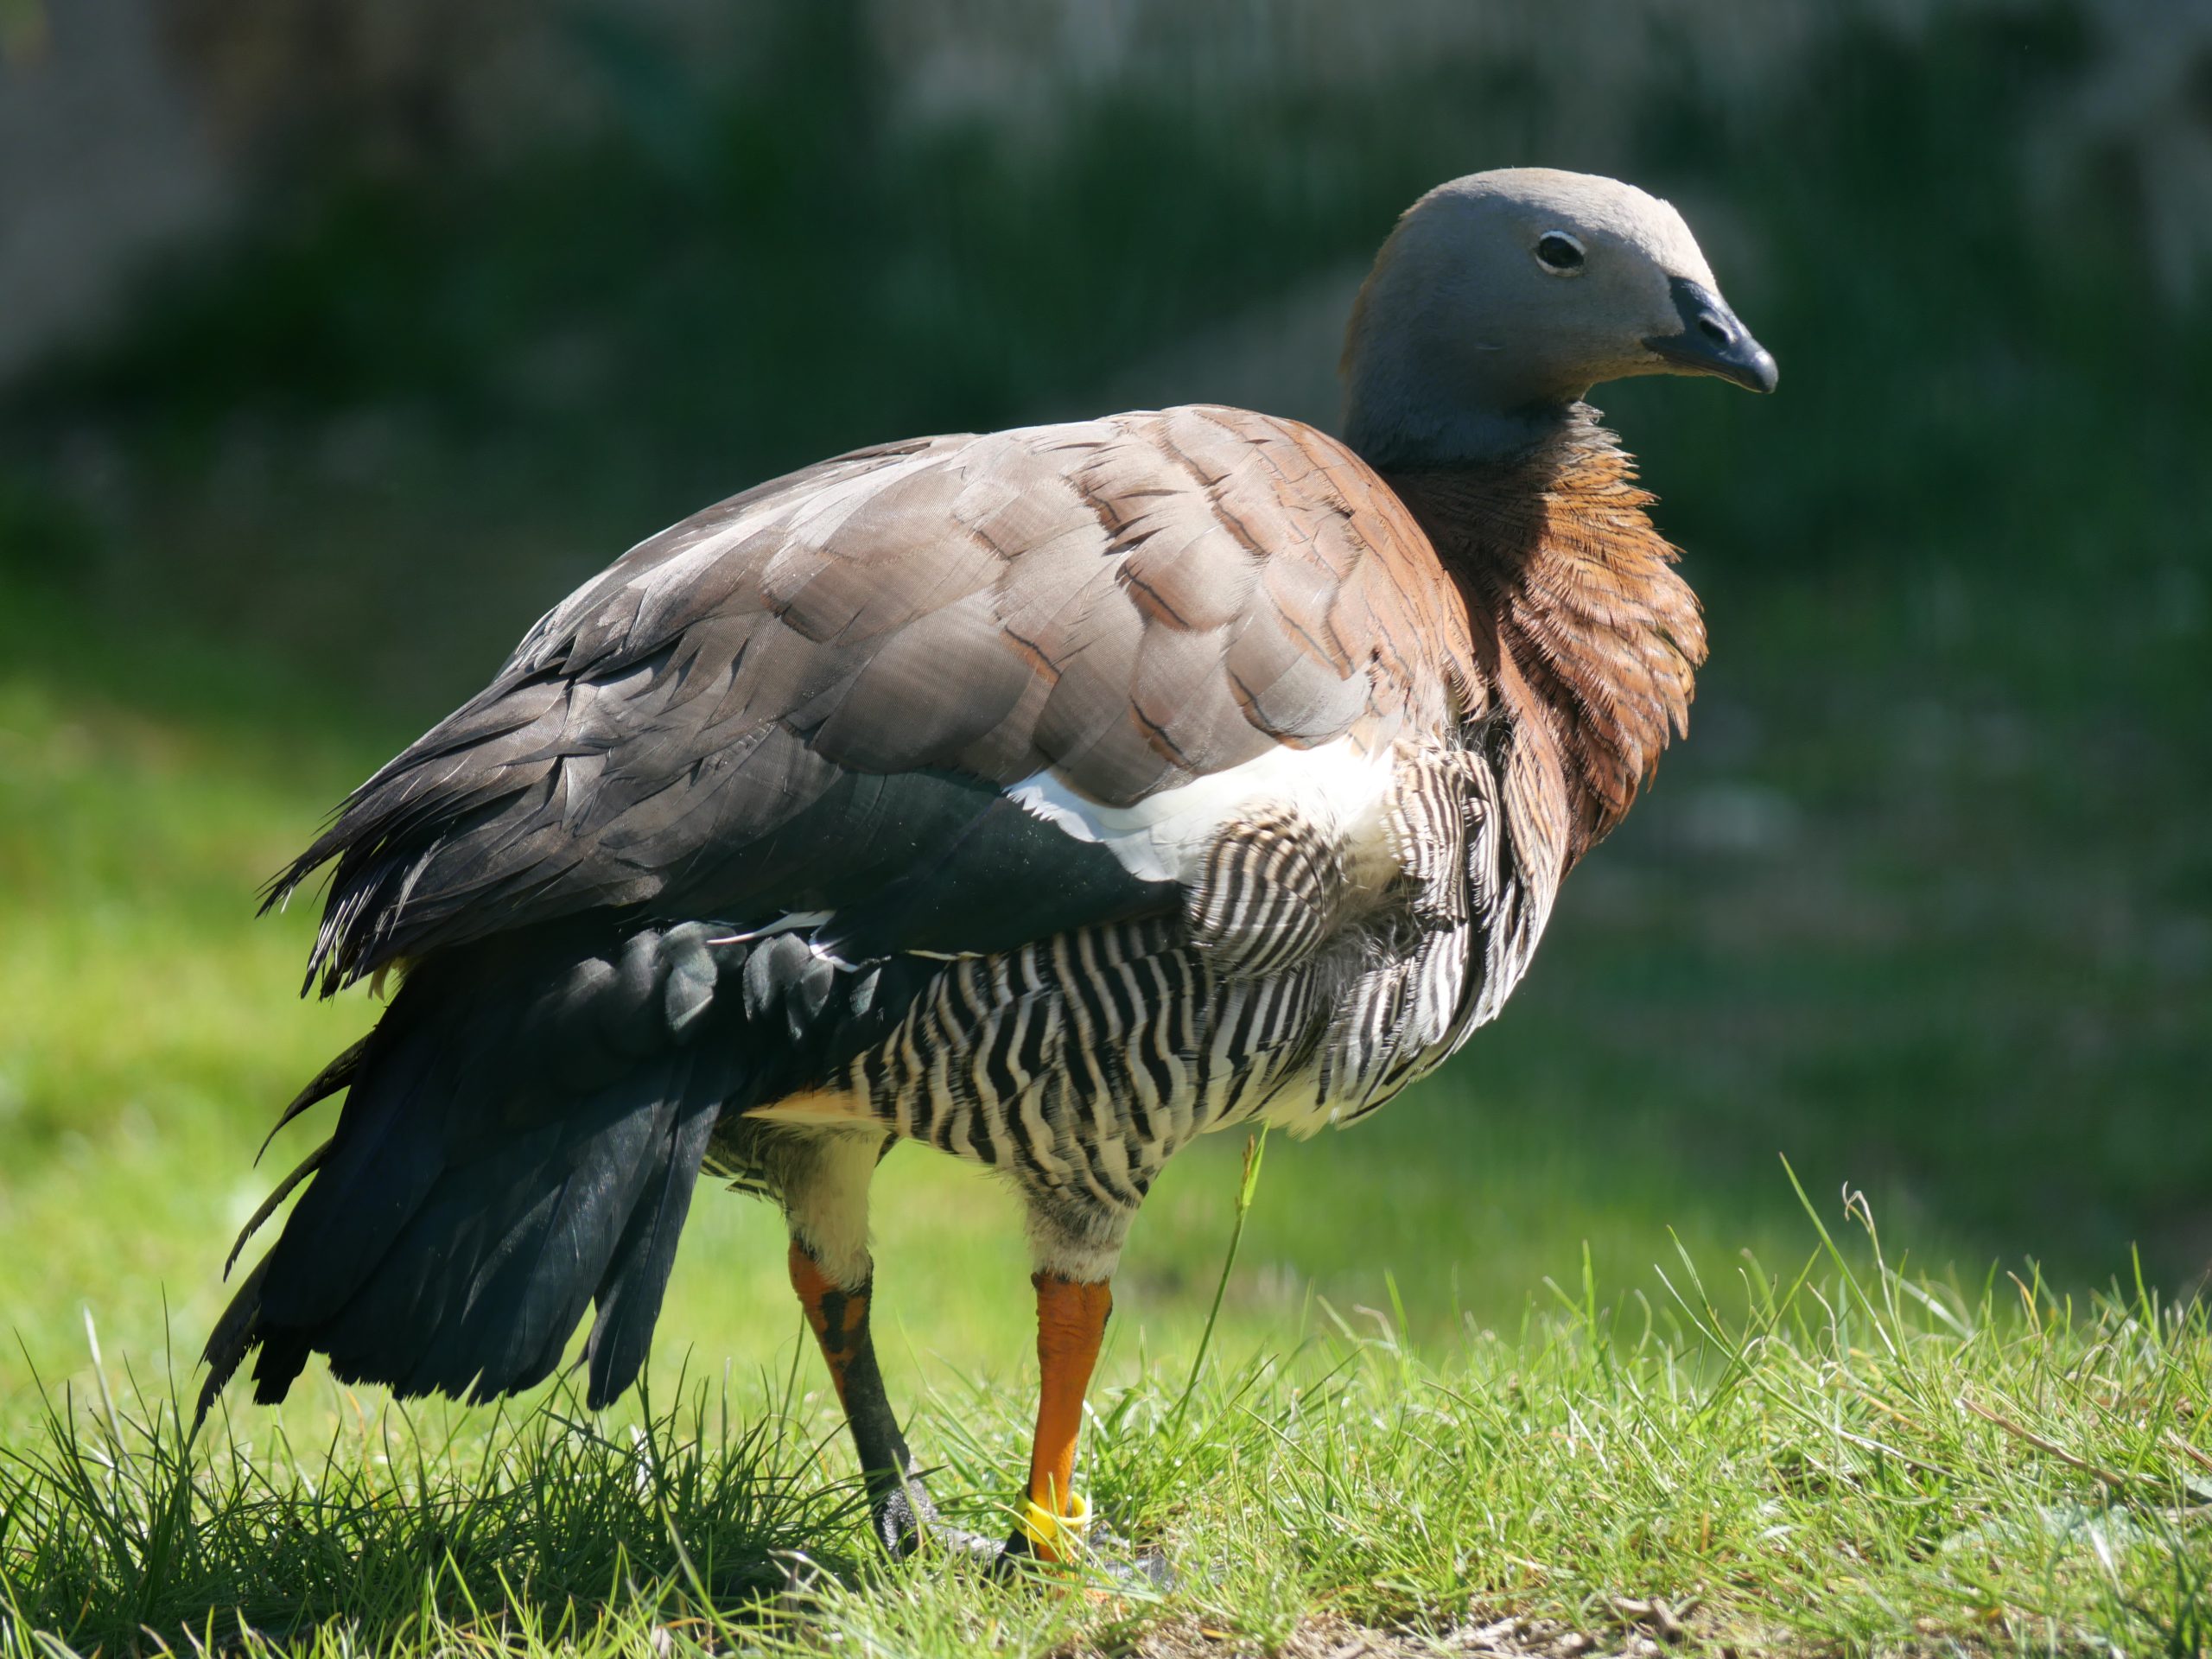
column 917, row 697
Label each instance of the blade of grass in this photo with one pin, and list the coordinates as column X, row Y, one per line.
column 1248, row 1186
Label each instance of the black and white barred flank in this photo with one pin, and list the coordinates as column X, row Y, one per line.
column 1312, row 978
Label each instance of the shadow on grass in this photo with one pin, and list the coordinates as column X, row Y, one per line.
column 116, row 1527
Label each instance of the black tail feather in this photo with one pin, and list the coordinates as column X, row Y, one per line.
column 522, row 1135
column 629, row 1295
column 232, row 1340
column 339, row 1074
column 306, row 1166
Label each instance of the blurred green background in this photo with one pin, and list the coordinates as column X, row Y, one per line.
column 336, row 342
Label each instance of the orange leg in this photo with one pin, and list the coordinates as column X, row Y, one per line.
column 838, row 1316
column 1071, row 1324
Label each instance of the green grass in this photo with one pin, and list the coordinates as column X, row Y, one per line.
column 1925, row 905
column 1836, row 1457
column 1404, row 1423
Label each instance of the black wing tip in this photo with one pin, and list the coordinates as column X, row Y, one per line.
column 277, row 894
column 276, row 891
column 360, row 903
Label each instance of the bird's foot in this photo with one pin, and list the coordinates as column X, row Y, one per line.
column 1132, row 1567
column 1044, row 1539
column 905, row 1516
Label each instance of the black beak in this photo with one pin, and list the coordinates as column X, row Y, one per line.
column 1712, row 341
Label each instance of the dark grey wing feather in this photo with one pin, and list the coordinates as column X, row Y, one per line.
column 811, row 697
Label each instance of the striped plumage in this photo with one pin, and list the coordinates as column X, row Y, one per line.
column 1051, row 796
column 1286, row 993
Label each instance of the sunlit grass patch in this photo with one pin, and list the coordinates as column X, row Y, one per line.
column 1836, row 1456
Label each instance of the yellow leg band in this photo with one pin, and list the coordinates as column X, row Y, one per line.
column 1056, row 1536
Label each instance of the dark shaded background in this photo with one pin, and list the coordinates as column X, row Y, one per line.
column 345, row 339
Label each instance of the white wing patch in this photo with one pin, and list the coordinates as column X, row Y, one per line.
column 790, row 922
column 1338, row 787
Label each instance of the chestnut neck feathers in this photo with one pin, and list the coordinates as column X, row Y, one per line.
column 1580, row 618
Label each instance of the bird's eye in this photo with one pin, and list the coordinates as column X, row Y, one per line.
column 1559, row 253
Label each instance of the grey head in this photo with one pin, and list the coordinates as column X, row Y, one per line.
column 1502, row 297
